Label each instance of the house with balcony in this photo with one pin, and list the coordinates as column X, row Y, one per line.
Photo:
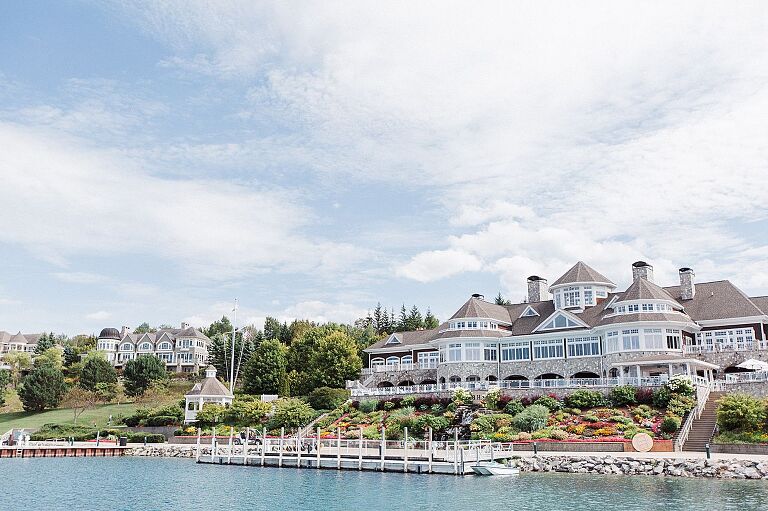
column 18, row 342
column 579, row 331
column 182, row 349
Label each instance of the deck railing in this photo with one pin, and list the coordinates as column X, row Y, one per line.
column 757, row 376
column 514, row 384
column 702, row 396
column 726, row 348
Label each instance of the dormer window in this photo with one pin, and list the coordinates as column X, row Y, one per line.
column 528, row 312
column 571, row 297
column 589, row 298
column 393, row 340
column 560, row 321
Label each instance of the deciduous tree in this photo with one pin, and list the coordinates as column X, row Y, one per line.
column 265, row 372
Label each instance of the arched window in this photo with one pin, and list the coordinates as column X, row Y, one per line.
column 473, row 381
column 393, row 361
column 164, row 346
column 377, row 361
column 126, row 347
column 145, row 346
column 407, row 360
column 454, row 379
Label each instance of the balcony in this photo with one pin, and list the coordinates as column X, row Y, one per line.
column 394, row 368
column 726, row 348
column 562, row 383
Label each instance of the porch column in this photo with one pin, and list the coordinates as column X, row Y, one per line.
column 688, row 368
column 621, row 374
column 639, row 375
column 670, row 369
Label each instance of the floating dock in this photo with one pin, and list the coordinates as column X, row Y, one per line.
column 59, row 451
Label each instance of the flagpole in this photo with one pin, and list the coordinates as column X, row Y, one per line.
column 232, row 359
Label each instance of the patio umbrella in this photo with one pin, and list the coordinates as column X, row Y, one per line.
column 754, row 365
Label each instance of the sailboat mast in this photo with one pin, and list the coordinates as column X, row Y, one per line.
column 232, row 359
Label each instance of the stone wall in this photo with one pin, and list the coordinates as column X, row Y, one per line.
column 725, row 469
column 417, row 376
column 756, row 389
column 527, row 369
column 750, row 449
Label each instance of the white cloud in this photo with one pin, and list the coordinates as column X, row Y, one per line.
column 99, row 315
column 87, row 201
column 80, row 277
column 438, row 264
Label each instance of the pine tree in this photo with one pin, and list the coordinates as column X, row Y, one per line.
column 430, row 321
column 415, row 321
column 379, row 318
column 500, row 300
column 402, row 322
column 46, row 342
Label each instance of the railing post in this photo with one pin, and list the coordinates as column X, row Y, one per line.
column 429, row 462
column 338, row 448
column 197, row 450
column 213, row 444
column 405, row 449
column 280, row 454
column 382, row 446
column 263, row 445
column 360, row 452
column 245, row 446
column 317, row 455
column 229, row 454
column 455, row 451
column 298, row 448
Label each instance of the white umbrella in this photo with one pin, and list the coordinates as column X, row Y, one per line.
column 754, row 365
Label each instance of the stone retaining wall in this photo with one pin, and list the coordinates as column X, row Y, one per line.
column 741, row 449
column 725, row 469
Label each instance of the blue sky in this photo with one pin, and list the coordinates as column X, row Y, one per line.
column 162, row 158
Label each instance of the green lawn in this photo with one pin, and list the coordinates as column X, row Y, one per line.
column 100, row 415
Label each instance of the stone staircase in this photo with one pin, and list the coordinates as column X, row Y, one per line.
column 703, row 427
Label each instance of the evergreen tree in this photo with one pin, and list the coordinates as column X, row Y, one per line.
column 139, row 374
column 500, row 300
column 414, row 321
column 71, row 355
column 220, row 352
column 143, row 328
column 265, row 371
column 402, row 321
column 43, row 388
column 430, row 321
column 5, row 381
column 222, row 326
column 46, row 342
column 272, row 328
column 96, row 370
column 379, row 318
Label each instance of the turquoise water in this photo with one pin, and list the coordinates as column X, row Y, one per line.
column 139, row 484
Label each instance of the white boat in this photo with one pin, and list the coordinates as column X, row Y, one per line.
column 492, row 468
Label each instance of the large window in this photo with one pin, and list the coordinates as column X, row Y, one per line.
column 490, row 352
column 560, row 321
column 583, row 346
column 377, row 361
column 653, row 339
column 165, row 346
column 673, row 339
column 454, row 352
column 547, row 348
column 126, row 347
column 473, row 352
column 612, row 342
column 145, row 346
column 393, row 361
column 515, row 351
column 406, row 360
column 630, row 339
column 428, row 360
column 571, row 297
column 588, row 296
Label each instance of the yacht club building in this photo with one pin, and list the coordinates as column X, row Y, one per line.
column 579, row 331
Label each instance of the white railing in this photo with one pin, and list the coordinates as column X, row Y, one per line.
column 514, row 384
column 720, row 348
column 757, row 376
column 702, row 396
column 392, row 368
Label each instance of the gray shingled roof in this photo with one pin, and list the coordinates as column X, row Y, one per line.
column 209, row 387
column 477, row 308
column 716, row 300
column 582, row 272
column 645, row 316
column 761, row 302
column 409, row 338
column 642, row 289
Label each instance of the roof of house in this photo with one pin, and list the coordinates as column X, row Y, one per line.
column 210, row 386
column 716, row 300
column 642, row 289
column 409, row 338
column 761, row 302
column 582, row 272
column 476, row 307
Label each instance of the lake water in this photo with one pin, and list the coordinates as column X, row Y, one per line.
column 139, row 484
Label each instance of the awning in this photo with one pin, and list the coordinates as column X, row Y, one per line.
column 754, row 365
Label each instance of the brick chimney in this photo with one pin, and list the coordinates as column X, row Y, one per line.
column 687, row 287
column 537, row 289
column 642, row 270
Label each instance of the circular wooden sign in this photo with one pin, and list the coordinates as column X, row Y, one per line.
column 642, row 442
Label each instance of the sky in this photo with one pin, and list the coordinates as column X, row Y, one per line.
column 159, row 159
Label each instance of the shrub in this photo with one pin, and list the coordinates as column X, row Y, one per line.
column 290, row 413
column 438, row 424
column 680, row 384
column 551, row 403
column 585, row 399
column 532, row 418
column 437, row 408
column 591, row 418
column 514, row 407
column 644, row 396
column 326, row 398
column 680, row 404
column 661, row 397
column 368, row 406
column 670, row 424
column 492, row 398
column 462, row 396
column 524, row 435
column 162, row 420
column 407, row 401
column 558, row 434
column 643, row 412
column 372, row 433
column 740, row 412
column 573, row 411
column 624, row 395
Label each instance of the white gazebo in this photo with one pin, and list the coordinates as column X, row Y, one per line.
column 210, row 390
column 664, row 367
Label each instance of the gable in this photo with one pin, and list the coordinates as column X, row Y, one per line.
column 528, row 312
column 393, row 339
column 561, row 320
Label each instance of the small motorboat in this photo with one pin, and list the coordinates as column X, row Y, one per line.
column 492, row 468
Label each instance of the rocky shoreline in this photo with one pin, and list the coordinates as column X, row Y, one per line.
column 675, row 467
column 671, row 467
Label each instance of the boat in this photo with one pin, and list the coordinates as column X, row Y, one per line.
column 492, row 468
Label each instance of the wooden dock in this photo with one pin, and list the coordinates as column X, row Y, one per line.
column 61, row 451
column 404, row 456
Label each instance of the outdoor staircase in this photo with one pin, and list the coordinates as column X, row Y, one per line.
column 703, row 428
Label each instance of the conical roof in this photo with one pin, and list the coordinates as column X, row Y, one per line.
column 582, row 272
column 643, row 289
column 477, row 308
